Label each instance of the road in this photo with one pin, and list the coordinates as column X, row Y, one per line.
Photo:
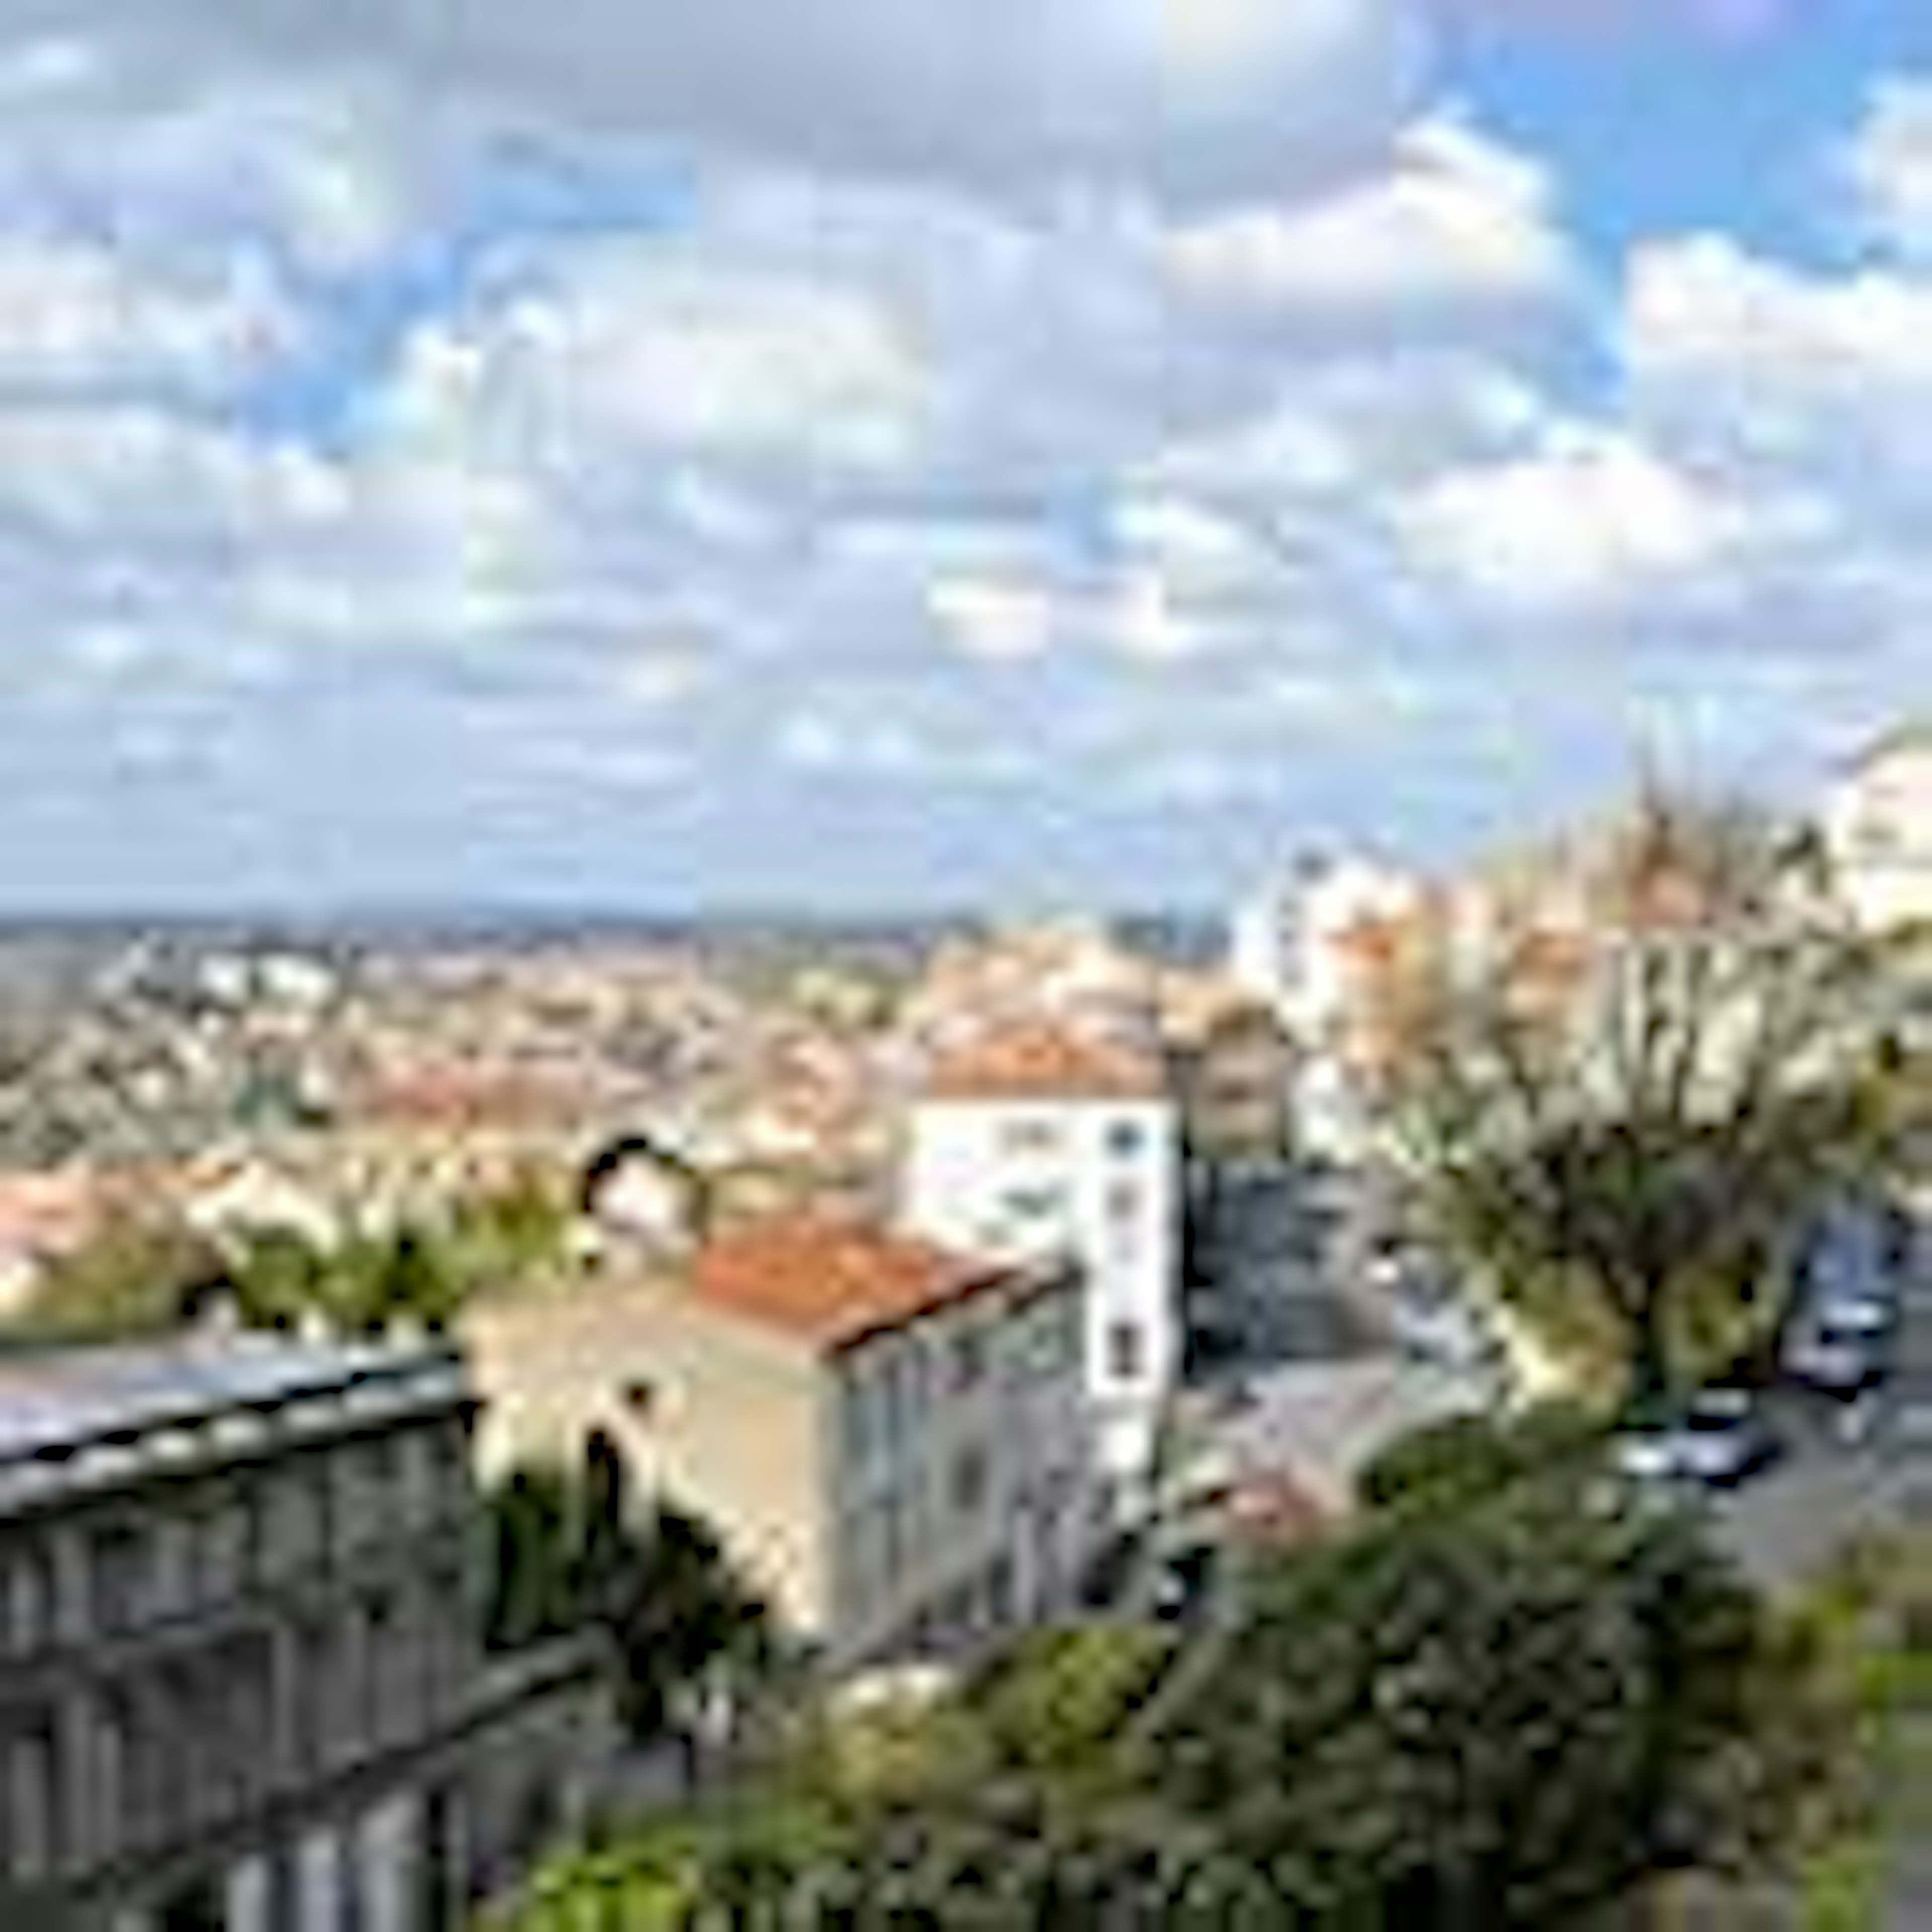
column 1274, row 1272
column 1906, row 1479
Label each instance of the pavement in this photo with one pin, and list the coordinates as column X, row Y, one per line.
column 1906, row 1479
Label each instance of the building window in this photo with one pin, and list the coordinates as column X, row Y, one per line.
column 220, row 1532
column 1123, row 1201
column 969, row 1358
column 117, row 1558
column 31, row 1801
column 856, row 1404
column 891, row 1544
column 968, row 1481
column 1126, row 1354
column 1030, row 1206
column 1126, row 1139
column 1030, row 1137
column 640, row 1398
column 901, row 1395
column 26, row 1601
column 999, row 1591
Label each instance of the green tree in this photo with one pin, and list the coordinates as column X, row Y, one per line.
column 140, row 1273
column 1448, row 1465
column 1645, row 1120
column 1500, row 1715
column 563, row 1552
column 681, row 1613
column 532, row 1532
column 1521, row 1705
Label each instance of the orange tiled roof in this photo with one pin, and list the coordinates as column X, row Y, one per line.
column 1042, row 1061
column 830, row 1280
column 1273, row 1507
column 39, row 1211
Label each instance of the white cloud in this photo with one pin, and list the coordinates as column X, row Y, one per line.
column 78, row 314
column 1817, row 381
column 994, row 621
column 1595, row 520
column 330, row 179
column 619, row 345
column 1704, row 310
column 1886, row 167
column 1459, row 224
column 1190, row 97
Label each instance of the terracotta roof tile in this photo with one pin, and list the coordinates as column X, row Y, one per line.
column 1042, row 1061
column 830, row 1280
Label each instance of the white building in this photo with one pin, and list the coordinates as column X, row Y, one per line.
column 1035, row 1142
column 1878, row 830
column 1295, row 948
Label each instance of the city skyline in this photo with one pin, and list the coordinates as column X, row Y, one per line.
column 657, row 466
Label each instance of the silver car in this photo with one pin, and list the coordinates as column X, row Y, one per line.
column 1719, row 1438
column 1841, row 1358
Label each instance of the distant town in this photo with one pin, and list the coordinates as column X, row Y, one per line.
column 866, row 1301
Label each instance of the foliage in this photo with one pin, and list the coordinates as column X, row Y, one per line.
column 1449, row 1464
column 365, row 1281
column 1053, row 1701
column 1505, row 1712
column 680, row 1610
column 563, row 1552
column 1496, row 1716
column 137, row 1275
column 1649, row 1113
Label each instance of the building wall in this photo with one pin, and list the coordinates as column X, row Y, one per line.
column 1237, row 1087
column 719, row 1416
column 963, row 1473
column 1879, row 827
column 1095, row 1180
column 210, row 1651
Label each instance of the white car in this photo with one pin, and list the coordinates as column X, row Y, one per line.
column 1854, row 1314
column 1443, row 1333
column 1841, row 1358
column 1719, row 1439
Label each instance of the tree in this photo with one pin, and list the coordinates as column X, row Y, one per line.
column 1639, row 1114
column 1448, row 1465
column 140, row 1273
column 1498, row 1716
column 1503, row 1714
column 563, row 1552
column 682, row 1614
column 531, row 1531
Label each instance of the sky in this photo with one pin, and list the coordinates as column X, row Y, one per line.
column 891, row 455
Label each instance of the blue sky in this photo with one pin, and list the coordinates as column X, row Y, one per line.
column 1045, row 451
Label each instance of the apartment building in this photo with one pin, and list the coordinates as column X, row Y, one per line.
column 886, row 1436
column 1878, row 829
column 238, row 1686
column 1037, row 1143
column 1313, row 950
column 1235, row 1076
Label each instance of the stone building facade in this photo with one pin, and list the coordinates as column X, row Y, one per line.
column 239, row 1684
column 890, row 1438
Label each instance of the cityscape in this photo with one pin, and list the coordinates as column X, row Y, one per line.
column 966, row 972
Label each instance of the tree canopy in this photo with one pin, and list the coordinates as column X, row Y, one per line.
column 1503, row 1712
column 1635, row 1111
column 566, row 1551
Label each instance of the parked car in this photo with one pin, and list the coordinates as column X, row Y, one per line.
column 1862, row 1313
column 1181, row 1584
column 1431, row 1324
column 1840, row 1357
column 1720, row 1437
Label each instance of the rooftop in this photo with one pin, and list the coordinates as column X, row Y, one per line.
column 1912, row 737
column 1044, row 1061
column 56, row 1399
column 831, row 1281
